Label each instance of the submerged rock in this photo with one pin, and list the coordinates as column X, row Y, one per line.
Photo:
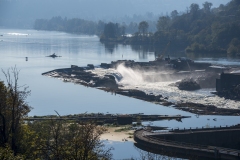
column 106, row 81
column 188, row 85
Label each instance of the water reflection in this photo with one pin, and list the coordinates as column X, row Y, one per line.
column 205, row 55
column 144, row 52
column 128, row 150
column 160, row 155
column 110, row 47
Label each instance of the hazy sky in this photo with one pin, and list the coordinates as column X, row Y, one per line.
column 26, row 11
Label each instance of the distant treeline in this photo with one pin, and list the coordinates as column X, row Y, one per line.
column 197, row 30
column 74, row 25
column 82, row 26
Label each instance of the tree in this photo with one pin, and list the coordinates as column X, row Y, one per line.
column 194, row 8
column 100, row 27
column 3, row 114
column 13, row 108
column 235, row 2
column 143, row 27
column 7, row 154
column 42, row 140
column 122, row 30
column 110, row 30
column 63, row 140
column 174, row 14
column 163, row 23
column 207, row 7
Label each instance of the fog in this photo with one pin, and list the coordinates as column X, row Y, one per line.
column 22, row 13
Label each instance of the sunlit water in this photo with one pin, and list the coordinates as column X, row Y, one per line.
column 49, row 94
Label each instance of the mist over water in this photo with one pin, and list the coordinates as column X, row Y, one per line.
column 139, row 76
column 130, row 76
column 152, row 82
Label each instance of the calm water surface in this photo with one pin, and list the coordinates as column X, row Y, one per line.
column 49, row 94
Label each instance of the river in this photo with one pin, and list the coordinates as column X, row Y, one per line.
column 49, row 94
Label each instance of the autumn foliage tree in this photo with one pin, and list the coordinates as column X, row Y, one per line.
column 58, row 139
column 13, row 108
column 48, row 139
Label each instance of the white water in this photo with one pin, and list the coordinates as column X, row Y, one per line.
column 17, row 34
column 129, row 76
column 137, row 79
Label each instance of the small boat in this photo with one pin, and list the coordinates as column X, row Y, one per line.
column 53, row 55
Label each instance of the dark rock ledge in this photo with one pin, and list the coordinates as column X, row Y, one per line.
column 81, row 75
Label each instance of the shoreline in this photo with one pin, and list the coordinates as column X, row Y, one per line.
column 84, row 76
column 119, row 136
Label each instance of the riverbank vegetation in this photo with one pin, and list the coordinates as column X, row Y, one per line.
column 205, row 30
column 47, row 139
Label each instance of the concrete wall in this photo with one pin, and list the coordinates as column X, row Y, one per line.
column 227, row 81
column 221, row 138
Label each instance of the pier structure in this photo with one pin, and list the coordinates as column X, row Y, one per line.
column 121, row 119
column 200, row 143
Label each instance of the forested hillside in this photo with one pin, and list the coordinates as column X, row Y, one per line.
column 198, row 30
column 201, row 29
column 81, row 26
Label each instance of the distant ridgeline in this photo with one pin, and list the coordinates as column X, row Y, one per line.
column 197, row 30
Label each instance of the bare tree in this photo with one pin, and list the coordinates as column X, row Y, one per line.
column 13, row 108
column 79, row 141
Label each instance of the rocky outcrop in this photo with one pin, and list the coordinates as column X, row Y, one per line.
column 140, row 95
column 201, row 109
column 232, row 93
column 228, row 86
column 188, row 84
column 106, row 81
column 82, row 76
